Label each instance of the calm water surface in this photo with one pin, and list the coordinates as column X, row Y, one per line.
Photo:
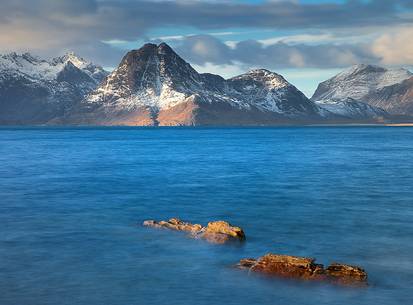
column 72, row 201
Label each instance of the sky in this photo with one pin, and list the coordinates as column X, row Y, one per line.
column 307, row 41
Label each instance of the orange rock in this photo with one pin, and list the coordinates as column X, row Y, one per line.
column 304, row 268
column 174, row 224
column 218, row 232
column 289, row 266
column 246, row 263
column 346, row 274
column 224, row 227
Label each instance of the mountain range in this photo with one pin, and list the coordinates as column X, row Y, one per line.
column 154, row 86
column 36, row 91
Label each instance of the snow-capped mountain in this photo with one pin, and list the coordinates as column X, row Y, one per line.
column 388, row 89
column 34, row 90
column 350, row 109
column 154, row 86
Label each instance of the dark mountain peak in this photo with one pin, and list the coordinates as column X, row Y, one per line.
column 73, row 75
column 153, row 64
column 143, row 53
column 164, row 48
column 153, row 49
column 148, row 47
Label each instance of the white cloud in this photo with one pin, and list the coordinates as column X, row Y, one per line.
column 226, row 71
column 293, row 39
column 395, row 47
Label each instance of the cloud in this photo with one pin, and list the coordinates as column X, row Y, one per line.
column 395, row 47
column 226, row 70
column 203, row 49
column 53, row 26
column 82, row 20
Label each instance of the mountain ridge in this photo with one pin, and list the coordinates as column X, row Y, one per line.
column 35, row 90
column 385, row 88
column 154, row 86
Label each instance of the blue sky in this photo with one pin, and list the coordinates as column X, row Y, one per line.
column 307, row 41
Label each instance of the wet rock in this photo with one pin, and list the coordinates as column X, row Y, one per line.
column 246, row 263
column 224, row 227
column 288, row 266
column 218, row 232
column 304, row 268
column 174, row 224
column 346, row 274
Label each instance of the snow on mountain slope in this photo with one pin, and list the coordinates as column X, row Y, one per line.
column 269, row 91
column 377, row 86
column 154, row 80
column 155, row 86
column 351, row 109
column 34, row 90
column 36, row 68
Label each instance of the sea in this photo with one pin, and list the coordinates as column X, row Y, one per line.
column 72, row 203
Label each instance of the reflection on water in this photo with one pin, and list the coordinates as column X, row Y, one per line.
column 72, row 201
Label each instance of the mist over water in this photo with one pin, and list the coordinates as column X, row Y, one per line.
column 73, row 200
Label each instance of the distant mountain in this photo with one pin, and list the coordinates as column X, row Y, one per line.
column 34, row 90
column 388, row 89
column 348, row 109
column 154, row 86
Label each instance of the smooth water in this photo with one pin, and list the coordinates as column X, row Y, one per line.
column 72, row 201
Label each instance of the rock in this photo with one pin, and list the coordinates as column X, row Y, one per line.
column 224, row 227
column 221, row 232
column 174, row 224
column 346, row 274
column 304, row 268
column 218, row 232
column 288, row 266
column 246, row 263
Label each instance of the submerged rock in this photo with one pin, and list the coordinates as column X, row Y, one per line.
column 218, row 232
column 285, row 266
column 346, row 274
column 304, row 268
column 174, row 224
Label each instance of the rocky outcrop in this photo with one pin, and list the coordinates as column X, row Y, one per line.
column 304, row 268
column 218, row 232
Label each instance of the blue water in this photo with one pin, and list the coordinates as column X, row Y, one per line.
column 72, row 201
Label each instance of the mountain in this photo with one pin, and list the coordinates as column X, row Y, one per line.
column 154, row 86
column 349, row 109
column 34, row 90
column 388, row 89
